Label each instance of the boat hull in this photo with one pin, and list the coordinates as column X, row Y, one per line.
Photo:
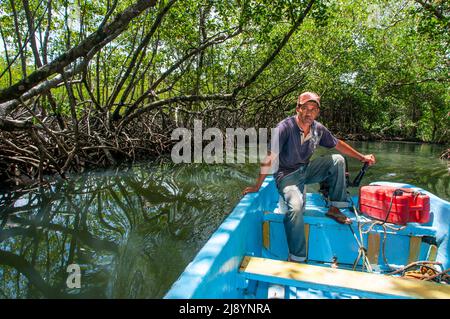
column 255, row 228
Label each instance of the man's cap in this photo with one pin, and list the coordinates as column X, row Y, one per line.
column 308, row 96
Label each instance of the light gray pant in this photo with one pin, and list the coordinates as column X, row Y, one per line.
column 329, row 168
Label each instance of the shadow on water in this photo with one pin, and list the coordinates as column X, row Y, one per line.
column 133, row 231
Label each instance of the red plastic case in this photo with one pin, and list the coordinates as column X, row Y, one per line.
column 407, row 207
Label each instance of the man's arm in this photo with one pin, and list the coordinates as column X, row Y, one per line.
column 346, row 149
column 266, row 166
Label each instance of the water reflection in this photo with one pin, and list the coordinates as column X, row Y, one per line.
column 134, row 230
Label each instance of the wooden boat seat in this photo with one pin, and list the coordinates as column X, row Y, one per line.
column 339, row 280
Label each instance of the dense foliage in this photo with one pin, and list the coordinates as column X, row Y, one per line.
column 92, row 82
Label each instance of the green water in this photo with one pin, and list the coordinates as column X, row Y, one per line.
column 133, row 231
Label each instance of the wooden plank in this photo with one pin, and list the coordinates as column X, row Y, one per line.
column 244, row 263
column 373, row 249
column 266, row 231
column 432, row 253
column 266, row 234
column 340, row 280
column 414, row 248
column 306, row 227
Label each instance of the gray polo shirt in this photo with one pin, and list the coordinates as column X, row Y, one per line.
column 292, row 152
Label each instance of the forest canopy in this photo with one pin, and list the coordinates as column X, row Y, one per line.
column 91, row 83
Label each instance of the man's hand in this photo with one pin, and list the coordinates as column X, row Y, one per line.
column 370, row 158
column 346, row 149
column 251, row 189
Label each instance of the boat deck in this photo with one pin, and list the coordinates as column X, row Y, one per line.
column 328, row 242
column 387, row 246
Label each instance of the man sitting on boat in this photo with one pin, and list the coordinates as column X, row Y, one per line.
column 298, row 137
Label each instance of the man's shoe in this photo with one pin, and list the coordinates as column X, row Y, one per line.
column 338, row 216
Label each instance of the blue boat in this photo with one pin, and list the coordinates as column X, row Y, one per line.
column 247, row 256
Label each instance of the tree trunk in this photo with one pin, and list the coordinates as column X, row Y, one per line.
column 101, row 37
column 23, row 58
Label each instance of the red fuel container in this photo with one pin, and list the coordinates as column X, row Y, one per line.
column 407, row 206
